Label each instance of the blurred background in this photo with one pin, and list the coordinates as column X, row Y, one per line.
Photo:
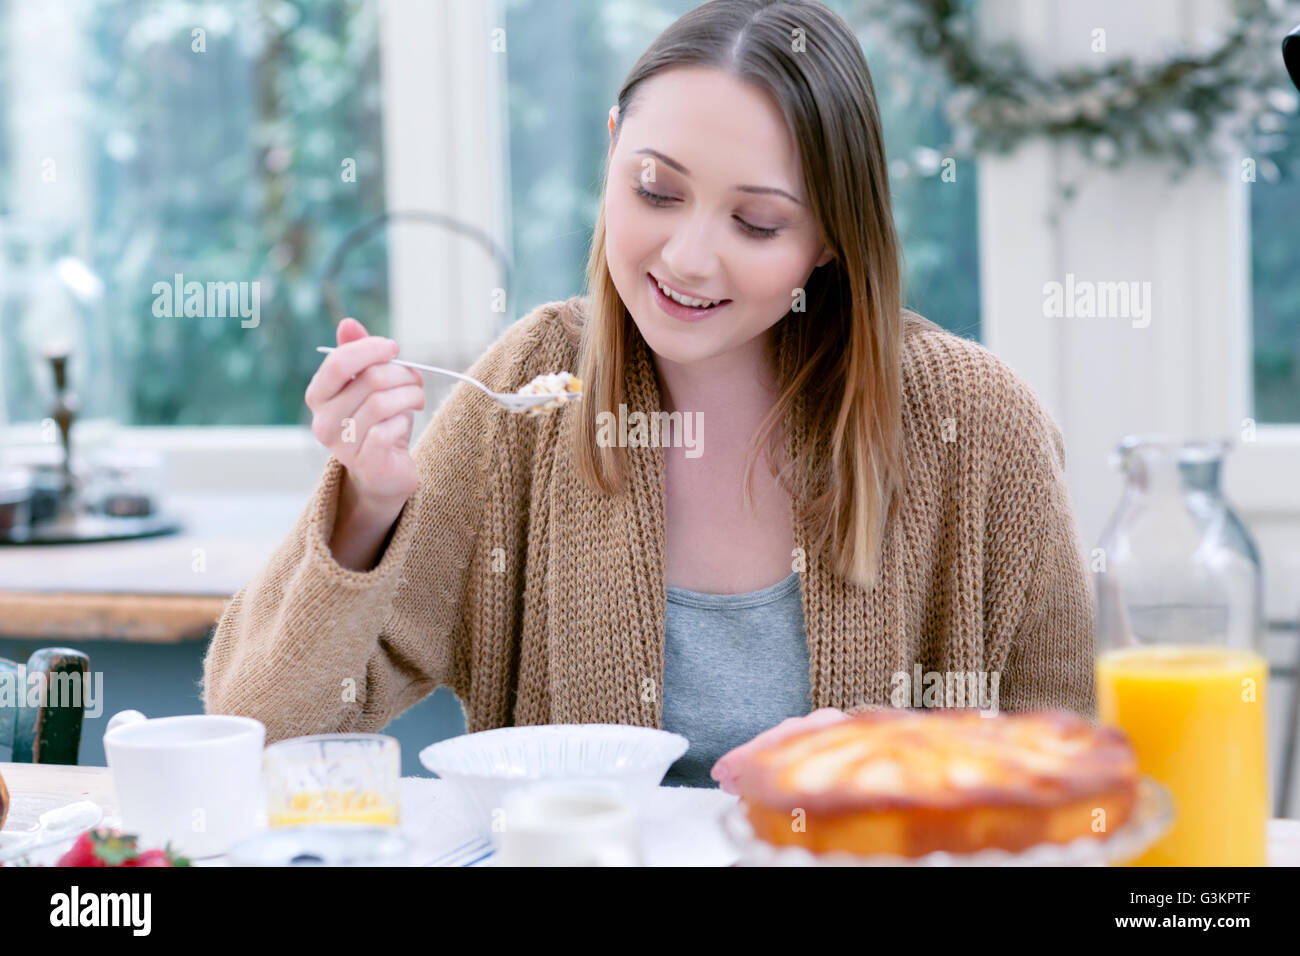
column 432, row 168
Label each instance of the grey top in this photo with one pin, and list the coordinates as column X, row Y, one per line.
column 734, row 665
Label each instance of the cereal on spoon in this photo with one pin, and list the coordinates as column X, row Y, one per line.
column 562, row 385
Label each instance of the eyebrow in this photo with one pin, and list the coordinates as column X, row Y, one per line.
column 748, row 189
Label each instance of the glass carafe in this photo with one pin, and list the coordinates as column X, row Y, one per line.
column 1181, row 671
column 1175, row 564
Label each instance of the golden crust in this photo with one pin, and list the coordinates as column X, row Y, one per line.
column 910, row 782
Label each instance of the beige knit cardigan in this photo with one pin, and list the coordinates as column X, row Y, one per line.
column 537, row 600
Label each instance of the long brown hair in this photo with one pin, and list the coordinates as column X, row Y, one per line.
column 840, row 358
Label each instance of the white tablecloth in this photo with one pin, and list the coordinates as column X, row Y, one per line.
column 680, row 827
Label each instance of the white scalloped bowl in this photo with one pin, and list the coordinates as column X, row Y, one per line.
column 485, row 766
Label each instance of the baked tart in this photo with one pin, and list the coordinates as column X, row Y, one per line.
column 911, row 782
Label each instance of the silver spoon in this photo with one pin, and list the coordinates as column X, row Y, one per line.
column 511, row 400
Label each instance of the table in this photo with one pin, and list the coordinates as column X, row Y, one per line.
column 668, row 841
column 679, row 827
column 161, row 589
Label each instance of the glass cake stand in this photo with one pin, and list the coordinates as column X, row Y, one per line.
column 1153, row 815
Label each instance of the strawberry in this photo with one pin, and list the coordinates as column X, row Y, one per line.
column 81, row 854
column 100, row 847
column 173, row 858
column 150, row 858
column 105, row 847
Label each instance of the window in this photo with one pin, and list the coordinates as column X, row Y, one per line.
column 230, row 143
column 235, row 143
column 1275, row 281
column 935, row 214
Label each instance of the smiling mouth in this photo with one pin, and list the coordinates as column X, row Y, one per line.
column 684, row 300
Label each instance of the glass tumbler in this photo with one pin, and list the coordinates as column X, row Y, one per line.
column 333, row 778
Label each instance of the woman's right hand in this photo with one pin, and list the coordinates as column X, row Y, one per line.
column 363, row 410
column 731, row 768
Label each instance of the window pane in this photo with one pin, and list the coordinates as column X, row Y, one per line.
column 559, row 139
column 936, row 215
column 1275, row 275
column 232, row 144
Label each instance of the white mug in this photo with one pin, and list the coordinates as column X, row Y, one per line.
column 194, row 781
column 568, row 823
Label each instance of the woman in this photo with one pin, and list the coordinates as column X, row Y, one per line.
column 876, row 505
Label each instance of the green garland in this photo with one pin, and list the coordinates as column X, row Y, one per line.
column 1206, row 107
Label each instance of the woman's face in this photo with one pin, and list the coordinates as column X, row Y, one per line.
column 718, row 153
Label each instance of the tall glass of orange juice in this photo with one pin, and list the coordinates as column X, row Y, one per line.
column 1197, row 716
column 333, row 778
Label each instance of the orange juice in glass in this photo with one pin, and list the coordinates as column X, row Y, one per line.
column 1197, row 716
column 333, row 778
